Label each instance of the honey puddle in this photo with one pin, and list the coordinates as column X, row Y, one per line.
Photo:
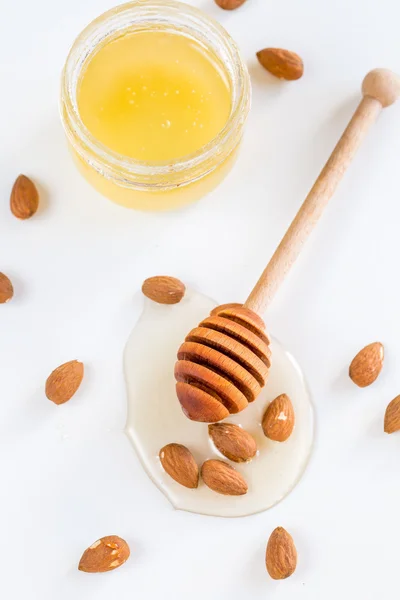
column 155, row 417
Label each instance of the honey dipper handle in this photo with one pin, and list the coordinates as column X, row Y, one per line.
column 380, row 89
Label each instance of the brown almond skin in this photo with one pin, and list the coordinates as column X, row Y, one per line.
column 163, row 289
column 106, row 554
column 281, row 554
column 223, row 479
column 179, row 463
column 233, row 442
column 6, row 289
column 279, row 418
column 367, row 365
column 283, row 64
column 24, row 199
column 229, row 4
column 392, row 416
column 64, row 381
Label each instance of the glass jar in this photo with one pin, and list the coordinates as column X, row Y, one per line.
column 145, row 185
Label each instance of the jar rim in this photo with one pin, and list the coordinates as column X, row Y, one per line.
column 129, row 171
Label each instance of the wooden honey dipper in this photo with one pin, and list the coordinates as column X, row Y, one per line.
column 224, row 362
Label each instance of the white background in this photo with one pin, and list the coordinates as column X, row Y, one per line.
column 68, row 474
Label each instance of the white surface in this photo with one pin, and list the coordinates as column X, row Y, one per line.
column 68, row 475
column 155, row 417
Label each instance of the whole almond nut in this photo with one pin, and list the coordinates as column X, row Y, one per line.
column 281, row 63
column 367, row 364
column 179, row 463
column 281, row 555
column 233, row 442
column 24, row 200
column 392, row 416
column 230, row 4
column 64, row 381
column 106, row 554
column 163, row 289
column 278, row 420
column 6, row 289
column 223, row 479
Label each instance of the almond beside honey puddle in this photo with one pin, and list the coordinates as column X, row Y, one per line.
column 155, row 420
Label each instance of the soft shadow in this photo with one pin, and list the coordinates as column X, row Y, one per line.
column 38, row 411
column 317, row 148
column 342, row 384
column 255, row 572
column 19, row 286
column 260, row 77
column 44, row 198
column 375, row 428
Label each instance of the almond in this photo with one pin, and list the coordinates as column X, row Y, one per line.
column 392, row 416
column 64, row 381
column 233, row 442
column 163, row 289
column 223, row 479
column 179, row 463
column 278, row 419
column 106, row 554
column 367, row 364
column 230, row 4
column 281, row 63
column 6, row 289
column 24, row 200
column 281, row 555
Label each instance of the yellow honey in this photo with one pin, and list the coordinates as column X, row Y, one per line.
column 154, row 96
column 154, row 99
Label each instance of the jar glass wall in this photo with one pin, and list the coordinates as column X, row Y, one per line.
column 148, row 184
